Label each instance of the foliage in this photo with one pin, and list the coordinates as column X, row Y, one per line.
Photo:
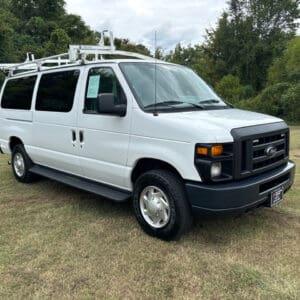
column 290, row 100
column 230, row 89
column 193, row 57
column 125, row 45
column 58, row 43
column 249, row 36
column 44, row 28
column 281, row 97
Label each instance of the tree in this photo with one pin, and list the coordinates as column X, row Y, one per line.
column 76, row 29
column 126, row 45
column 290, row 101
column 47, row 9
column 7, row 32
column 230, row 89
column 281, row 97
column 249, row 36
column 58, row 43
column 38, row 29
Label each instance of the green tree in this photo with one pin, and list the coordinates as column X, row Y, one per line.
column 126, row 45
column 195, row 58
column 290, row 101
column 281, row 97
column 77, row 30
column 47, row 9
column 58, row 43
column 38, row 29
column 7, row 24
column 249, row 36
column 230, row 89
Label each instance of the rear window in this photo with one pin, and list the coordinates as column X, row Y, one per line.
column 18, row 93
column 56, row 91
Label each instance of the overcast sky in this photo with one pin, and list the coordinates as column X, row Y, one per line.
column 174, row 20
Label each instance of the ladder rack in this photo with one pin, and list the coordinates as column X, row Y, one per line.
column 77, row 55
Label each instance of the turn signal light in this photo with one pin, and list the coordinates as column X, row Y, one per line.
column 211, row 151
column 202, row 151
column 216, row 150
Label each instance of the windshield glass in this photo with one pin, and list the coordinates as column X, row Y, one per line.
column 176, row 87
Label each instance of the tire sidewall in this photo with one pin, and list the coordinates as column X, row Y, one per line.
column 170, row 230
column 19, row 149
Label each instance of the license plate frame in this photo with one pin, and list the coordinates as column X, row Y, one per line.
column 276, row 196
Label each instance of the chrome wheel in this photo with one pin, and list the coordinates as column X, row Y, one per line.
column 19, row 164
column 155, row 207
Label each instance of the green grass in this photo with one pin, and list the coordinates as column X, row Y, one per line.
column 58, row 242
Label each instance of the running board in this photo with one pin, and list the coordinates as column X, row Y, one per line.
column 82, row 183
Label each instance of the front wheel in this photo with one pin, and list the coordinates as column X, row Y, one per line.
column 160, row 204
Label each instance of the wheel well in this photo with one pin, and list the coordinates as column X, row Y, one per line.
column 13, row 142
column 147, row 164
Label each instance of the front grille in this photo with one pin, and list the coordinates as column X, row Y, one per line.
column 260, row 148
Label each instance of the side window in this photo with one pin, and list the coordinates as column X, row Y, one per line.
column 102, row 81
column 56, row 91
column 18, row 93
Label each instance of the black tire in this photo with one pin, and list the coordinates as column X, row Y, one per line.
column 180, row 216
column 26, row 176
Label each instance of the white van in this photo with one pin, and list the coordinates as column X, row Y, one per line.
column 144, row 130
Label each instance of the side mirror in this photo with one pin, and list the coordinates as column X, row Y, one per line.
column 106, row 105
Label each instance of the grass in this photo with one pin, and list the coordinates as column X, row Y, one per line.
column 58, row 242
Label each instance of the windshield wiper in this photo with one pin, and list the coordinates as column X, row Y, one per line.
column 167, row 103
column 174, row 102
column 198, row 105
column 209, row 101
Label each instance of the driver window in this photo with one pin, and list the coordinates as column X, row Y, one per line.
column 102, row 81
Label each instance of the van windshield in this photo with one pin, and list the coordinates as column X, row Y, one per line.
column 176, row 87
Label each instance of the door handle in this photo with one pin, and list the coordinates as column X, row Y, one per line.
column 73, row 137
column 81, row 138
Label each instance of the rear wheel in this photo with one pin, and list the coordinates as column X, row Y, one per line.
column 160, row 204
column 21, row 164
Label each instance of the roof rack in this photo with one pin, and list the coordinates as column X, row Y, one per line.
column 77, row 54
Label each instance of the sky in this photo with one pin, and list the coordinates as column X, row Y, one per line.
column 174, row 20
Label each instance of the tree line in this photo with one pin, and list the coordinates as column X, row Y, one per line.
column 251, row 57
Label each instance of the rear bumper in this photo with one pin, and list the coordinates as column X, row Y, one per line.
column 241, row 195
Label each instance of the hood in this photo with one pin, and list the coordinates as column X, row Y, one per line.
column 207, row 126
column 224, row 118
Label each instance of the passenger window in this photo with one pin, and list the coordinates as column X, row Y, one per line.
column 18, row 93
column 102, row 81
column 56, row 91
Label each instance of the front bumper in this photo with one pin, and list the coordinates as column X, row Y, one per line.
column 241, row 195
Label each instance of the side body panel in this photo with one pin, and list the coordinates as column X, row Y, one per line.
column 103, row 152
column 52, row 142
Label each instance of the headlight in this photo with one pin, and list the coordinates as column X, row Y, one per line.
column 216, row 169
column 214, row 162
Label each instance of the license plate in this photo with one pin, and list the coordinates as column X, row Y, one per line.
column 276, row 196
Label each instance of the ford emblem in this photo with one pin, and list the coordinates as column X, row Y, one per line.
column 270, row 151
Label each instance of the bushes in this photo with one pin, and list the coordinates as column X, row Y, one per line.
column 281, row 97
column 290, row 101
column 230, row 89
column 280, row 100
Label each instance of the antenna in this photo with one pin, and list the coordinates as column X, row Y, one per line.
column 155, row 76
